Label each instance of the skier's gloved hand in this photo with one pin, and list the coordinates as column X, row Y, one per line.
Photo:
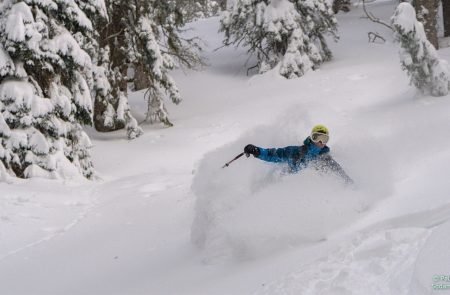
column 251, row 149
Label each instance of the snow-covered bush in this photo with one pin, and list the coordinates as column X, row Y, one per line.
column 288, row 34
column 44, row 94
column 417, row 55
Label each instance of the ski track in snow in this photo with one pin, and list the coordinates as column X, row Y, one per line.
column 96, row 199
column 53, row 231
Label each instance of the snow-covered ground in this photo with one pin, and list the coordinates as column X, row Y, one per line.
column 167, row 219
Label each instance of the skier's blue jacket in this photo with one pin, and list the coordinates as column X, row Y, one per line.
column 299, row 157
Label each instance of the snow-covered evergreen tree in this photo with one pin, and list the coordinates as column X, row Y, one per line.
column 111, row 108
column 145, row 36
column 287, row 34
column 197, row 9
column 44, row 95
column 418, row 56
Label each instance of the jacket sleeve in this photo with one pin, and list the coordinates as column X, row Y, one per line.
column 328, row 163
column 275, row 155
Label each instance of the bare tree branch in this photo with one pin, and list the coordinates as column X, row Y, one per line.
column 373, row 18
column 374, row 36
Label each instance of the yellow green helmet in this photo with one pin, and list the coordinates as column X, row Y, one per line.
column 320, row 129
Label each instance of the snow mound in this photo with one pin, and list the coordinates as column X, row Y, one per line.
column 431, row 267
column 252, row 208
column 384, row 258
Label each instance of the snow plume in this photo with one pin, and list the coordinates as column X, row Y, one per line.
column 253, row 208
column 418, row 57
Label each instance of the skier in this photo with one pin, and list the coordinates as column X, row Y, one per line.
column 313, row 151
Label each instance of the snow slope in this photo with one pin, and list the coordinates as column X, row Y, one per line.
column 166, row 219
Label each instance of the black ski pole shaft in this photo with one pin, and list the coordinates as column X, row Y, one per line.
column 235, row 158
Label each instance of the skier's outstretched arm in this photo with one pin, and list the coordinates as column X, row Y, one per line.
column 269, row 155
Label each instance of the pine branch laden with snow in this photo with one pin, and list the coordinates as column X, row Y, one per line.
column 193, row 10
column 417, row 55
column 162, row 48
column 161, row 81
column 284, row 34
column 44, row 88
column 22, row 145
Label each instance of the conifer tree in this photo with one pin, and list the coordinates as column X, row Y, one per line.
column 283, row 34
column 111, row 108
column 427, row 14
column 418, row 56
column 222, row 4
column 44, row 91
column 197, row 9
column 446, row 17
column 144, row 36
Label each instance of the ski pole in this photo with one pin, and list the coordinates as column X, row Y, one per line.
column 235, row 158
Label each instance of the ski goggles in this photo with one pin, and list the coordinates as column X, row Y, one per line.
column 319, row 137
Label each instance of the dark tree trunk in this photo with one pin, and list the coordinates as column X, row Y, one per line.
column 222, row 4
column 446, row 14
column 100, row 108
column 140, row 80
column 112, row 36
column 343, row 5
column 428, row 17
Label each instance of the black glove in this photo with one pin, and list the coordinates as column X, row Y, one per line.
column 251, row 149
